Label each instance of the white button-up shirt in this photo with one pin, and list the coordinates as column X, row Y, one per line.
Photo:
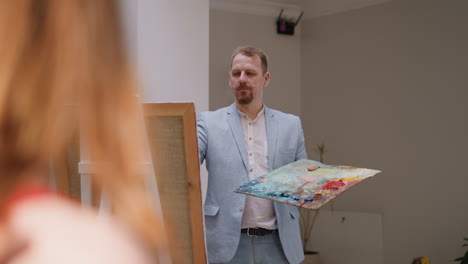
column 258, row 212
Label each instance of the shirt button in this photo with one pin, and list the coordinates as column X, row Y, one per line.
column 250, row 138
column 251, row 170
column 250, row 154
column 250, row 124
column 241, row 208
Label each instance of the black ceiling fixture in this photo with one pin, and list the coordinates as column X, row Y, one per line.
column 285, row 25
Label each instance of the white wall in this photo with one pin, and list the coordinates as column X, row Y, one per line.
column 173, row 50
column 171, row 44
column 386, row 88
column 228, row 30
column 168, row 44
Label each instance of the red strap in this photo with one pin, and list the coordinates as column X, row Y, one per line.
column 26, row 193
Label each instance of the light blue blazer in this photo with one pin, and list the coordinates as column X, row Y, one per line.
column 221, row 146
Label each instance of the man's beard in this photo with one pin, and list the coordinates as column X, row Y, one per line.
column 244, row 96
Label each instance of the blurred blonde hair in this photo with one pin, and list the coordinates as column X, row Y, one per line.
column 55, row 53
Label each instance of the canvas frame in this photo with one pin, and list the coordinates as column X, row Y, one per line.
column 183, row 113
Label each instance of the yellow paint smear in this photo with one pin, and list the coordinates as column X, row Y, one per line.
column 351, row 179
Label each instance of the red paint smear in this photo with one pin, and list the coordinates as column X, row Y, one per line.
column 333, row 185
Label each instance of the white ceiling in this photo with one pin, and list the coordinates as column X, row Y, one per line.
column 311, row 8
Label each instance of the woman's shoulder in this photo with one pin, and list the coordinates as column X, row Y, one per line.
column 59, row 230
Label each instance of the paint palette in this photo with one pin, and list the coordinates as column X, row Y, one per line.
column 298, row 185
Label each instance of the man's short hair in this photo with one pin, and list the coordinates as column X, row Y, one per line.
column 250, row 52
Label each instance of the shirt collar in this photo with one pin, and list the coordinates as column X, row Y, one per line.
column 261, row 113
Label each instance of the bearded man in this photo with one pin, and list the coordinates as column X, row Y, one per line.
column 239, row 143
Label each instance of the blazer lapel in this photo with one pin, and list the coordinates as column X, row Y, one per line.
column 272, row 135
column 236, row 129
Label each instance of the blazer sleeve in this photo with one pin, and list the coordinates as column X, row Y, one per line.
column 300, row 151
column 202, row 137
